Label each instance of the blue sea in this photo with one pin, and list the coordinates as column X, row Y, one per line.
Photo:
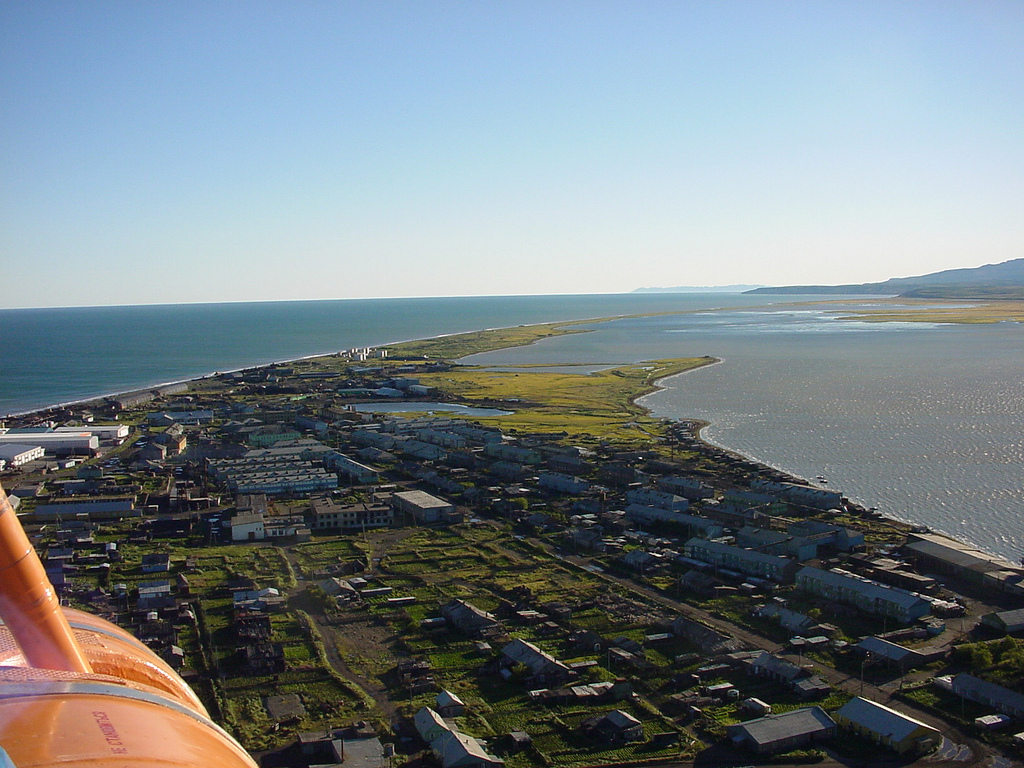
column 55, row 356
column 923, row 421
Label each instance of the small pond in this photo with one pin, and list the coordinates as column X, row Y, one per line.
column 423, row 407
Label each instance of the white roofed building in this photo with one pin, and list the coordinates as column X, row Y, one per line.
column 459, row 750
column 54, row 442
column 15, row 455
column 108, row 432
column 429, row 724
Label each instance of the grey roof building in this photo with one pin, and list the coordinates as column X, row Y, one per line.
column 544, row 668
column 615, row 727
column 781, row 733
column 429, row 724
column 470, row 620
column 939, row 553
column 747, row 561
column 424, row 508
column 866, row 595
column 897, row 655
column 975, row 689
column 1004, row 621
column 458, row 750
column 710, row 640
column 694, row 524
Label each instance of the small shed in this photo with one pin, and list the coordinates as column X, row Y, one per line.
column 450, row 705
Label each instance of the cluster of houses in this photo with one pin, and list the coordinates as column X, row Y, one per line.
column 550, row 681
column 635, row 510
column 735, row 536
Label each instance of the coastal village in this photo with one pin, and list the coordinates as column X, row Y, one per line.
column 346, row 586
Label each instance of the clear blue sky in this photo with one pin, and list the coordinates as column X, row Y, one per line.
column 225, row 151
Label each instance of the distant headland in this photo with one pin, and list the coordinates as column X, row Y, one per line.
column 991, row 281
column 702, row 289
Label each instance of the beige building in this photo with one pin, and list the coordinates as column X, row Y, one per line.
column 882, row 725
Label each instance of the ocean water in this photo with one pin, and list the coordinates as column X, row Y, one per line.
column 53, row 356
column 925, row 422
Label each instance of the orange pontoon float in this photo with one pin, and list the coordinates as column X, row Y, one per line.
column 78, row 691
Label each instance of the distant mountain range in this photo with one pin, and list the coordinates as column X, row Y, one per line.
column 701, row 289
column 992, row 281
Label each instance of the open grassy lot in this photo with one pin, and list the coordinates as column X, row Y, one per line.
column 939, row 311
column 462, row 344
column 595, row 406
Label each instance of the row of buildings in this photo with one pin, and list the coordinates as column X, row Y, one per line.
column 868, row 719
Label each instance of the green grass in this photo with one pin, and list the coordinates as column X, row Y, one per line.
column 596, row 406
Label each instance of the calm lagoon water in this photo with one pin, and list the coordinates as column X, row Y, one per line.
column 411, row 407
column 925, row 422
column 52, row 356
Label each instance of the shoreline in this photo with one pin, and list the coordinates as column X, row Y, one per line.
column 41, row 409
column 698, row 428
column 258, row 366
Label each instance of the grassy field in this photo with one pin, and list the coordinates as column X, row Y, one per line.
column 938, row 311
column 596, row 406
column 463, row 344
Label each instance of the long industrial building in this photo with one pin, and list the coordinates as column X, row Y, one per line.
column 54, row 442
column 110, row 432
column 936, row 553
column 864, row 594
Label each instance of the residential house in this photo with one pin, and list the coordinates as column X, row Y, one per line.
column 350, row 469
column 429, row 724
column 897, row 656
column 796, row 493
column 709, row 640
column 615, row 727
column 544, row 669
column 827, row 534
column 459, row 750
column 692, row 524
column 796, row 678
column 470, row 620
column 777, row 543
column 688, row 488
column 513, row 453
column 264, row 658
column 658, row 499
column 156, row 562
column 252, row 626
column 562, row 483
